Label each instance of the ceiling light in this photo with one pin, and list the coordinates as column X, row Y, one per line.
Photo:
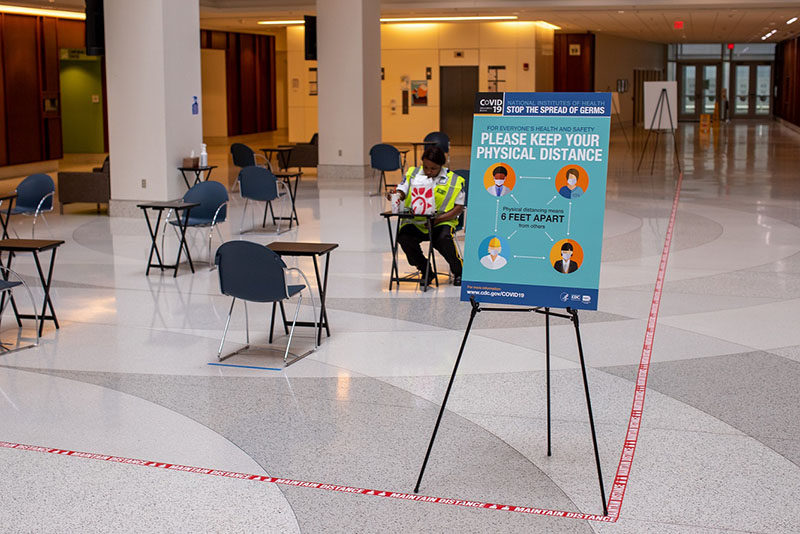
column 791, row 20
column 449, row 19
column 547, row 25
column 277, row 22
column 17, row 10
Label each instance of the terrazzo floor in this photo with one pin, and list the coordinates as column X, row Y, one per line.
column 127, row 373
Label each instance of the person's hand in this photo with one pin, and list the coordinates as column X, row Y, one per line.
column 390, row 192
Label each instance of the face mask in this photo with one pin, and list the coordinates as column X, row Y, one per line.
column 498, row 183
column 566, row 255
column 494, row 251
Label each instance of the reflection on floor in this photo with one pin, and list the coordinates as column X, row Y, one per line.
column 127, row 374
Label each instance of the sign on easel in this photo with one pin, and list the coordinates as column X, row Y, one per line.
column 664, row 118
column 537, row 199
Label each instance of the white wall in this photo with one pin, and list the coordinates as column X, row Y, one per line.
column 408, row 49
column 616, row 58
column 215, row 93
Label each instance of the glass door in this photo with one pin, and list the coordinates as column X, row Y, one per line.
column 687, row 86
column 698, row 89
column 763, row 97
column 752, row 97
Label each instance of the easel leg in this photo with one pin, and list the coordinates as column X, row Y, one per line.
column 475, row 309
column 547, row 361
column 574, row 314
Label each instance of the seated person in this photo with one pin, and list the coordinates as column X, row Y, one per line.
column 448, row 194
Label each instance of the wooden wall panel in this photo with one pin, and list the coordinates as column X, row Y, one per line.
column 250, row 79
column 247, row 83
column 232, row 84
column 787, row 81
column 71, row 33
column 23, row 101
column 573, row 73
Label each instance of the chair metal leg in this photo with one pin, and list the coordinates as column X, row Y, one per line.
column 246, row 323
column 291, row 332
column 225, row 332
column 244, row 213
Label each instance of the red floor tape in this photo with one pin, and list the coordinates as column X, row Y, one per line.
column 620, row 479
column 635, row 420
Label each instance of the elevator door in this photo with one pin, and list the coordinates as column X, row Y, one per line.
column 456, row 102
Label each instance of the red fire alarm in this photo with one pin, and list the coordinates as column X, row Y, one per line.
column 678, row 24
column 525, row 66
column 730, row 46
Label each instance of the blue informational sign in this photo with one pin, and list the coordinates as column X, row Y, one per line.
column 537, row 193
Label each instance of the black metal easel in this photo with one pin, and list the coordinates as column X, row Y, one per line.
column 572, row 315
column 659, row 111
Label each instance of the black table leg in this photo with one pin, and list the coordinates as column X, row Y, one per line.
column 10, row 295
column 4, row 221
column 293, row 195
column 182, row 244
column 430, row 253
column 186, row 180
column 153, row 247
column 395, row 275
column 323, row 291
column 46, row 286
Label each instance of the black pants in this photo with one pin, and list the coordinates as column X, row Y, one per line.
column 410, row 238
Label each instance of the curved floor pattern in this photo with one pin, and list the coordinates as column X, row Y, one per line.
column 127, row 374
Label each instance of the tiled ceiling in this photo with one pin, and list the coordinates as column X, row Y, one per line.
column 704, row 21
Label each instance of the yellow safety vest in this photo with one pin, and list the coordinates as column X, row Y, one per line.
column 445, row 193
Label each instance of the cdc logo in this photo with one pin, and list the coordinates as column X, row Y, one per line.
column 564, row 297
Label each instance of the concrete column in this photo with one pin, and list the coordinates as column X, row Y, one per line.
column 153, row 73
column 349, row 76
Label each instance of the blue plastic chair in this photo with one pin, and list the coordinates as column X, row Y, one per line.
column 260, row 185
column 244, row 156
column 441, row 140
column 213, row 209
column 252, row 272
column 384, row 158
column 34, row 196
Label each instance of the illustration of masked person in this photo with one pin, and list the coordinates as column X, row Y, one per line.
column 565, row 264
column 494, row 260
column 571, row 190
column 499, row 188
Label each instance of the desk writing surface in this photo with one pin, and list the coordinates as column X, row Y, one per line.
column 203, row 168
column 291, row 248
column 286, row 174
column 408, row 214
column 168, row 204
column 8, row 196
column 29, row 245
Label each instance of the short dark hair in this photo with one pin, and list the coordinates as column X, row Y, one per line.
column 575, row 172
column 435, row 154
column 499, row 170
column 566, row 246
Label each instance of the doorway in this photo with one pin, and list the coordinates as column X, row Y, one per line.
column 458, row 86
column 751, row 82
column 698, row 89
